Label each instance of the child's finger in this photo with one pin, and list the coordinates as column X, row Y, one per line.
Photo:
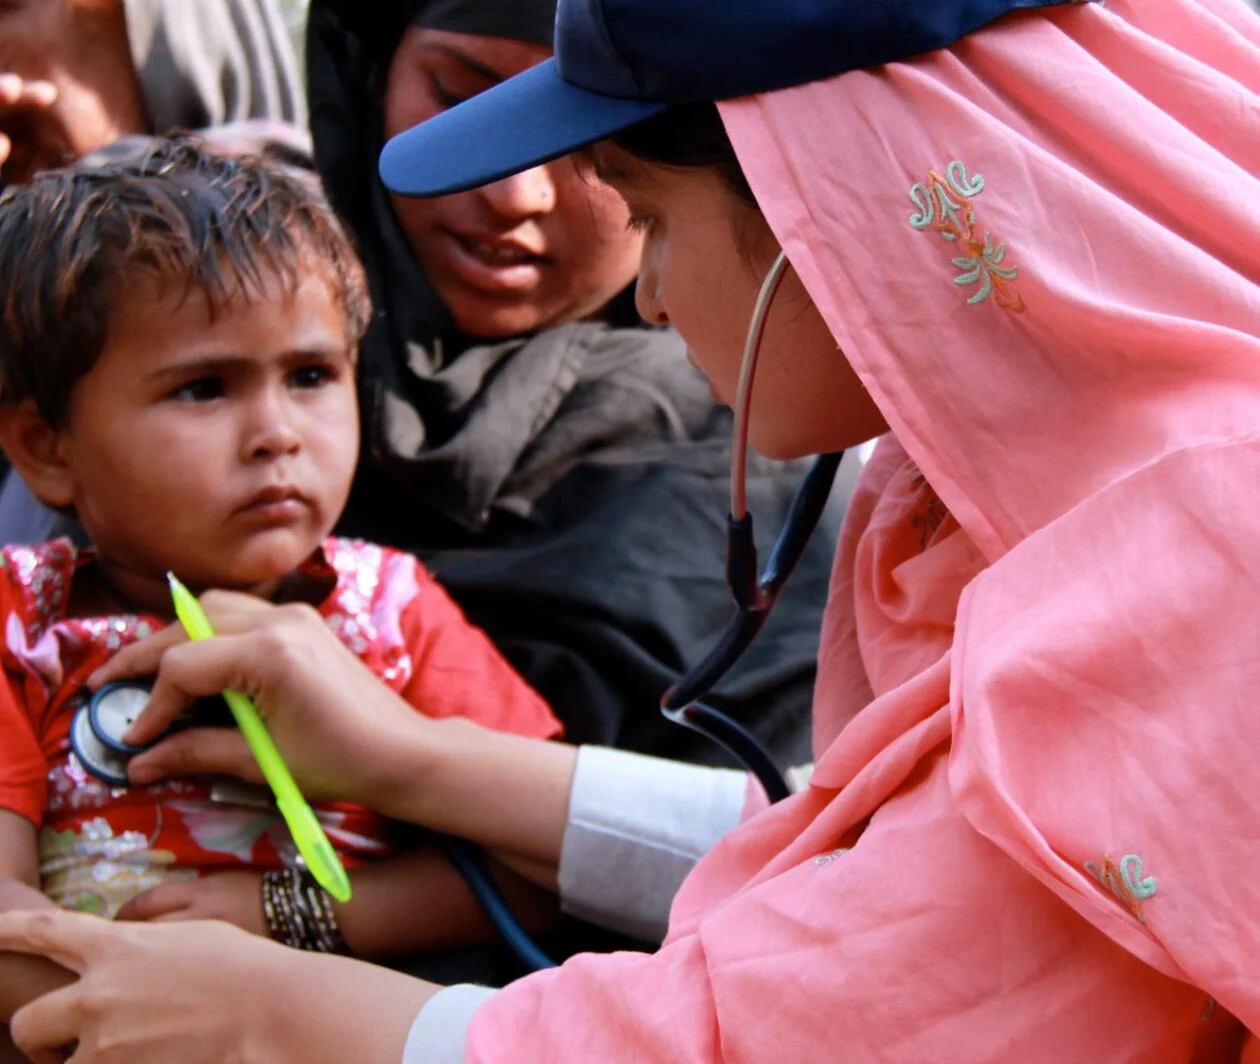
column 181, row 916
column 156, row 901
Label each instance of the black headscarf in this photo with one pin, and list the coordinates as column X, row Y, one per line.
column 520, row 20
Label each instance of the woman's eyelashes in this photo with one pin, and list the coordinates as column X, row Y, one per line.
column 447, row 98
column 639, row 223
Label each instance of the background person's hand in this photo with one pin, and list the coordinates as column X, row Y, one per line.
column 232, row 897
column 340, row 729
column 203, row 993
column 22, row 102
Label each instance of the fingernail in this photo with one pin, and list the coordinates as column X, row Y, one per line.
column 10, row 84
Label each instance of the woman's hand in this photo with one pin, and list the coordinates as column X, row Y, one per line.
column 232, row 897
column 202, row 993
column 343, row 733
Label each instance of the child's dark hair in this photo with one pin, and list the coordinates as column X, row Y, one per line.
column 692, row 136
column 73, row 241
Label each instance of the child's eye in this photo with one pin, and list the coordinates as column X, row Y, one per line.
column 202, row 390
column 311, row 376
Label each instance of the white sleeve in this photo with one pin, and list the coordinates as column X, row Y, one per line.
column 440, row 1030
column 637, row 825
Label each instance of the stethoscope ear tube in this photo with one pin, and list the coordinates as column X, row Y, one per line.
column 735, row 740
column 803, row 517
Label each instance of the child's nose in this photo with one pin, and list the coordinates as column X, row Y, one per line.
column 272, row 432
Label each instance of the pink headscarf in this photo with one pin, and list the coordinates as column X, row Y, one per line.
column 1034, row 828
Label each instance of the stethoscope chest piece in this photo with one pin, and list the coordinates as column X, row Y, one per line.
column 97, row 759
column 113, row 709
column 98, row 727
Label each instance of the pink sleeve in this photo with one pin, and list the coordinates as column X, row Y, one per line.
column 921, row 943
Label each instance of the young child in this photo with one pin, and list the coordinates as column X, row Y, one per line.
column 178, row 363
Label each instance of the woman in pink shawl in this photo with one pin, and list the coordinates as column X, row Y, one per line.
column 1027, row 243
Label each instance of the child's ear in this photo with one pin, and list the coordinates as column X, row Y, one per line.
column 35, row 449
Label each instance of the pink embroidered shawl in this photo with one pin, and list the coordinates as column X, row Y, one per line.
column 1037, row 838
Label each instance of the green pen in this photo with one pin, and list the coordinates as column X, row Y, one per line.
column 311, row 841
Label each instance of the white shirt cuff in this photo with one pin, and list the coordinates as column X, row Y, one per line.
column 439, row 1034
column 637, row 826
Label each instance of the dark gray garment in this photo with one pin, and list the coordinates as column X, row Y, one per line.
column 209, row 62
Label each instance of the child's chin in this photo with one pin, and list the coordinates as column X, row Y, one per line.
column 260, row 564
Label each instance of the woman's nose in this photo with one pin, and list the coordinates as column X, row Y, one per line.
column 522, row 195
column 647, row 299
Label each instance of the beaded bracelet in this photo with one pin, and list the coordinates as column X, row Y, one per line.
column 299, row 912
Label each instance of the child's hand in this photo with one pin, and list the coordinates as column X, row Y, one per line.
column 233, row 897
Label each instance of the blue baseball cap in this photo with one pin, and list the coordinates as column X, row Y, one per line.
column 619, row 62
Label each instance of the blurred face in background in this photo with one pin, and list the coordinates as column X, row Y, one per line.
column 541, row 248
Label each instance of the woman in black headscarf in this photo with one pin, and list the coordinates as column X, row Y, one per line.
column 559, row 465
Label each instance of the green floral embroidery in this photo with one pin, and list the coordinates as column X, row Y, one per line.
column 944, row 203
column 1126, row 879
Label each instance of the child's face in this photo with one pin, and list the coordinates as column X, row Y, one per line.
column 218, row 446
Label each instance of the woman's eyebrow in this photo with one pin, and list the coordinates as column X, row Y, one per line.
column 610, row 173
column 489, row 73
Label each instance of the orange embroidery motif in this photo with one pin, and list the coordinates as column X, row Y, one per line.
column 1126, row 879
column 944, row 204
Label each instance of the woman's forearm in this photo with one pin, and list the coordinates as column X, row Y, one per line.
column 503, row 792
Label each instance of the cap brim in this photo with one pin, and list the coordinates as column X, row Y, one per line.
column 522, row 122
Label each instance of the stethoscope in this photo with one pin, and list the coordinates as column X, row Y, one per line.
column 754, row 597
column 98, row 725
column 104, row 716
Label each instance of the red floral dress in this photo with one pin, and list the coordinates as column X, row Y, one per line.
column 101, row 845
